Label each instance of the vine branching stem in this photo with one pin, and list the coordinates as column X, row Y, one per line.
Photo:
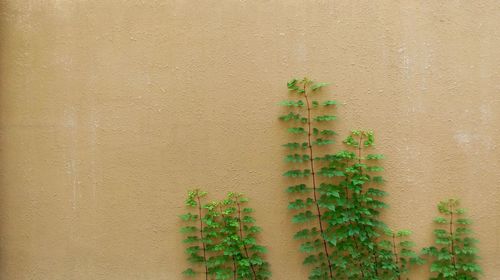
column 244, row 245
column 452, row 244
column 202, row 237
column 395, row 252
column 313, row 175
column 351, row 224
column 360, row 149
column 234, row 260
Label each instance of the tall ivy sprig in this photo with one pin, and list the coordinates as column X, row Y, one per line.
column 338, row 196
column 454, row 255
column 197, row 253
column 306, row 126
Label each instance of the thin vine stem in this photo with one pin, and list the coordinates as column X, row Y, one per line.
column 234, row 269
column 360, row 143
column 359, row 149
column 395, row 252
column 452, row 244
column 244, row 245
column 234, row 260
column 313, row 175
column 202, row 237
column 351, row 224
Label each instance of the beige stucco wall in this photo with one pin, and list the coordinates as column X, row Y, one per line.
column 111, row 110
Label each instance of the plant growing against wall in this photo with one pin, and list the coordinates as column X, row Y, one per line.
column 396, row 254
column 454, row 256
column 309, row 206
column 222, row 239
column 336, row 195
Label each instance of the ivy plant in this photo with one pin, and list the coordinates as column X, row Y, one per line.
column 396, row 254
column 336, row 195
column 454, row 255
column 222, row 239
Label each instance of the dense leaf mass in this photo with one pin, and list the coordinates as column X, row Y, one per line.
column 336, row 198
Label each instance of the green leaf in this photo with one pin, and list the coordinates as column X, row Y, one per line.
column 252, row 229
column 403, row 233
column 329, row 190
column 317, row 86
column 300, row 204
column 290, row 117
column 248, row 219
column 303, row 234
column 188, row 229
column 329, row 103
column 191, row 239
column 297, row 130
column 345, row 155
column 330, row 172
column 309, row 247
column 375, row 192
column 322, row 142
column 258, row 249
column 247, row 210
column 297, row 173
column 378, row 179
column 303, row 217
column 297, row 158
column 441, row 220
column 310, row 260
column 325, row 118
column 406, row 244
column 295, row 145
column 374, row 156
column 189, row 217
column 327, row 132
column 292, row 83
column 291, row 103
column 189, row 272
column 374, row 169
column 249, row 240
column 463, row 221
column 192, row 250
column 301, row 188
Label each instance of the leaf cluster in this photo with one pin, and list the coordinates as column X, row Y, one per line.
column 454, row 254
column 221, row 239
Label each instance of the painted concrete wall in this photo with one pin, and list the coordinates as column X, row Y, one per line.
column 111, row 110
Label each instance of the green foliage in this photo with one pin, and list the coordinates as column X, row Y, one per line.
column 336, row 197
column 221, row 239
column 454, row 255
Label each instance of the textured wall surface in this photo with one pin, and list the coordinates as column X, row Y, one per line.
column 111, row 110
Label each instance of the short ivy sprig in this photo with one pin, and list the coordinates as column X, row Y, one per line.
column 355, row 223
column 309, row 128
column 251, row 250
column 396, row 254
column 454, row 256
column 229, row 244
column 216, row 262
column 195, row 257
column 238, row 240
column 226, row 245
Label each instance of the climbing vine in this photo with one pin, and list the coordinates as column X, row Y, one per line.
column 222, row 239
column 336, row 195
column 454, row 256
